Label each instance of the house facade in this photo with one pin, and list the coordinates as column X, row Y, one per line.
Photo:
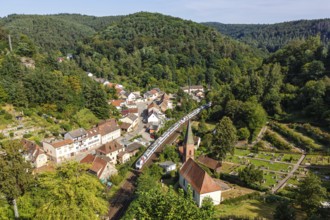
column 60, row 151
column 131, row 119
column 34, row 153
column 100, row 166
column 110, row 150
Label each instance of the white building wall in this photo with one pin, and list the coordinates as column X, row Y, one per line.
column 111, row 136
column 41, row 160
column 215, row 196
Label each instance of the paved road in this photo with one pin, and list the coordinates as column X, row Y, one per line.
column 283, row 182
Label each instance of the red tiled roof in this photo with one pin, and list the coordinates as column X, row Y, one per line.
column 61, row 143
column 98, row 164
column 198, row 178
column 108, row 126
column 117, row 103
column 209, row 162
column 129, row 111
column 110, row 147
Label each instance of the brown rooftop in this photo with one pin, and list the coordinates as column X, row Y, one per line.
column 198, row 178
column 61, row 143
column 108, row 126
column 209, row 162
column 110, row 147
column 98, row 164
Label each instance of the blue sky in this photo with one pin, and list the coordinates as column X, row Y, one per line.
column 225, row 11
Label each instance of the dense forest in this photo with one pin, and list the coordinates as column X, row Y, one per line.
column 55, row 32
column 271, row 37
column 33, row 80
column 150, row 50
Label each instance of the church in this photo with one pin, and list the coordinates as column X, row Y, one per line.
column 191, row 174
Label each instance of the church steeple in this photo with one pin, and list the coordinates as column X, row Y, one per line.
column 188, row 144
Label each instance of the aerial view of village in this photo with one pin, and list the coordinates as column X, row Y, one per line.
column 165, row 110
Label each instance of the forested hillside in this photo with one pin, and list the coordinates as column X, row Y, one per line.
column 271, row 37
column 146, row 50
column 30, row 80
column 55, row 32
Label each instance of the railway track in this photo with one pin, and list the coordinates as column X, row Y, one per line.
column 125, row 195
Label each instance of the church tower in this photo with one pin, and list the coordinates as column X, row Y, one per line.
column 188, row 144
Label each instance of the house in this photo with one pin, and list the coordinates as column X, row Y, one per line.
column 130, row 151
column 100, row 166
column 131, row 119
column 164, row 103
column 210, row 163
column 93, row 139
column 152, row 128
column 130, row 104
column 134, row 111
column 130, row 96
column 200, row 182
column 118, row 103
column 154, row 118
column 126, row 127
column 109, row 130
column 152, row 94
column 34, row 153
column 60, row 151
column 168, row 166
column 76, row 135
column 153, row 107
column 133, row 148
column 193, row 89
column 111, row 150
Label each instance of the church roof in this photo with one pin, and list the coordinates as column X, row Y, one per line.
column 189, row 137
column 198, row 178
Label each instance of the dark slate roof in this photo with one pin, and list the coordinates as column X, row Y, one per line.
column 189, row 137
column 77, row 133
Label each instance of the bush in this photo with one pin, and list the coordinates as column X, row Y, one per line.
column 299, row 139
column 27, row 135
column 8, row 116
column 116, row 179
column 243, row 134
column 314, row 132
column 276, row 141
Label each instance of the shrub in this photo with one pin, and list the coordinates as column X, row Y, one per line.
column 8, row 116
column 27, row 135
column 276, row 141
column 299, row 139
column 243, row 134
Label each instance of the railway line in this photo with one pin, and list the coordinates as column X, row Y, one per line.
column 121, row 201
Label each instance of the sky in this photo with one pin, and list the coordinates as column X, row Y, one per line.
column 224, row 11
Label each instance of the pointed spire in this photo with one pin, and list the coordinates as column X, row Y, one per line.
column 189, row 138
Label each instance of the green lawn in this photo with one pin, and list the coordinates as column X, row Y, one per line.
column 248, row 208
column 317, row 160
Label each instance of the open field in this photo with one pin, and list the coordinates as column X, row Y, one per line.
column 236, row 191
column 247, row 208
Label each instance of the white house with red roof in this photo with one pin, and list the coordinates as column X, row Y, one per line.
column 33, row 153
column 200, row 182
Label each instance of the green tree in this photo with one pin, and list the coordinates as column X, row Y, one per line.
column 250, row 175
column 243, row 133
column 310, row 193
column 15, row 173
column 69, row 193
column 285, row 211
column 224, row 138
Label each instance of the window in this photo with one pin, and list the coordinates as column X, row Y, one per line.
column 190, row 153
